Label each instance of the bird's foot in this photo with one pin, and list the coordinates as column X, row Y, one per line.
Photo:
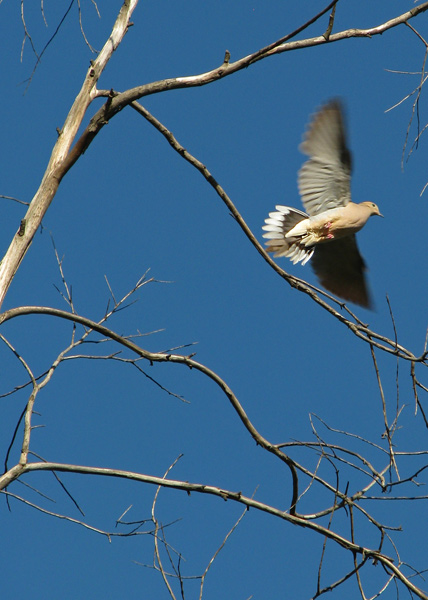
column 326, row 230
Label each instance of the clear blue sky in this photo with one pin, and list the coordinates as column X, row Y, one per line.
column 132, row 204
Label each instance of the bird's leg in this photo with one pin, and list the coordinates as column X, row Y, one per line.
column 327, row 227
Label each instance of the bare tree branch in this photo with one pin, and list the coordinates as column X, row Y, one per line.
column 55, row 169
column 355, row 548
column 63, row 157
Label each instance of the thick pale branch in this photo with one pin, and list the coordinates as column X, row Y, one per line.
column 228, row 68
column 117, row 101
column 63, row 158
column 55, row 170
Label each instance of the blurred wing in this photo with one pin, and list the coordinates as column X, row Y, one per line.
column 324, row 180
column 340, row 268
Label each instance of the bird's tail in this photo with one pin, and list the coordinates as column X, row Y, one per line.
column 277, row 226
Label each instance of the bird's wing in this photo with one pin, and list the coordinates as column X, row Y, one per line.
column 324, row 180
column 340, row 268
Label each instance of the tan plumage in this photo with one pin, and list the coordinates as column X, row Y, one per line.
column 326, row 235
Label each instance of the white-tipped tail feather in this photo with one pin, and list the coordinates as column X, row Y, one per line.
column 329, row 228
column 278, row 225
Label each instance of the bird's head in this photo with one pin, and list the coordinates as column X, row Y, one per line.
column 374, row 209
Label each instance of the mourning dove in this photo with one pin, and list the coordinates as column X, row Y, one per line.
column 327, row 233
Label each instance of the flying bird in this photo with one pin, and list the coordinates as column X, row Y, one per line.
column 325, row 233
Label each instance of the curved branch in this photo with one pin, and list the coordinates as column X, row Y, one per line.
column 62, row 158
column 358, row 327
column 290, row 516
column 113, row 106
column 193, row 364
column 386, row 561
column 164, row 357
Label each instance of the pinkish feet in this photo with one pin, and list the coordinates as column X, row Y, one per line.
column 327, row 226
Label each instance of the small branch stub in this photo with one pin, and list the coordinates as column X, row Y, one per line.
column 329, row 29
column 21, row 229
